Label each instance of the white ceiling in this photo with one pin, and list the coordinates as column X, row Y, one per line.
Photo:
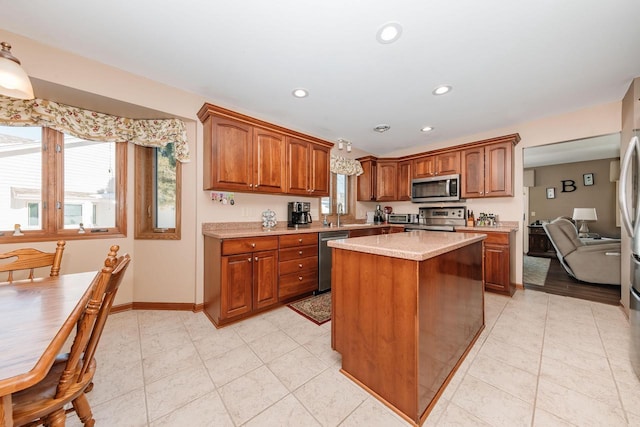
column 509, row 61
column 582, row 150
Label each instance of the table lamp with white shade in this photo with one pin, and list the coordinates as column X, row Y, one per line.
column 584, row 215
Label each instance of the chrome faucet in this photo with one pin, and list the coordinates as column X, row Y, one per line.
column 339, row 212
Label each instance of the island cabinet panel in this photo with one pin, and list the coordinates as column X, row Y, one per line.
column 240, row 277
column 298, row 265
column 402, row 326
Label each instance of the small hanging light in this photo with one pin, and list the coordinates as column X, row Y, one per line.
column 14, row 81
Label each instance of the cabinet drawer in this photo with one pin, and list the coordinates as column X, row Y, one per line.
column 497, row 238
column 298, row 253
column 250, row 244
column 297, row 284
column 299, row 265
column 296, row 240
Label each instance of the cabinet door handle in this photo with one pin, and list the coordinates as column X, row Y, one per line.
column 300, row 278
column 299, row 240
column 300, row 253
column 255, row 259
column 253, row 245
column 299, row 265
column 250, row 185
column 249, row 259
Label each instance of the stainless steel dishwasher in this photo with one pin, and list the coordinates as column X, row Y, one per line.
column 324, row 258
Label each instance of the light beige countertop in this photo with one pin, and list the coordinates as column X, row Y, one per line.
column 232, row 230
column 412, row 245
column 502, row 227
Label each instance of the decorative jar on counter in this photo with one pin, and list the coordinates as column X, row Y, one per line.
column 269, row 219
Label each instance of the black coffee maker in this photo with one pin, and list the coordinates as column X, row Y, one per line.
column 299, row 214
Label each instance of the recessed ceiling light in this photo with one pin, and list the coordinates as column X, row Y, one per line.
column 427, row 129
column 382, row 128
column 389, row 32
column 442, row 89
column 300, row 93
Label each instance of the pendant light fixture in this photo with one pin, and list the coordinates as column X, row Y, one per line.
column 14, row 81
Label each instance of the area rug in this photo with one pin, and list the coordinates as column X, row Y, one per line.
column 535, row 270
column 316, row 308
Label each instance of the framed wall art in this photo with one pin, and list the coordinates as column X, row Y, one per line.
column 587, row 179
column 551, row 193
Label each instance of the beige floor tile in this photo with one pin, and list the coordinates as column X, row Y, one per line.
column 321, row 348
column 283, row 317
column 160, row 365
column 217, row 342
column 491, row 404
column 373, row 413
column 600, row 387
column 126, row 410
column 304, row 332
column 542, row 418
column 162, row 342
column 287, row 412
column 231, row 365
column 205, row 411
column 272, row 345
column 517, row 382
column 456, row 416
column 576, row 357
column 254, row 328
column 296, row 367
column 159, row 321
column 247, row 396
column 577, row 408
column 436, row 412
column 198, row 326
column 114, row 378
column 174, row 391
column 630, row 396
column 330, row 397
column 511, row 355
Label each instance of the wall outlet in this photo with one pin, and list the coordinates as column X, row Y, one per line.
column 533, row 214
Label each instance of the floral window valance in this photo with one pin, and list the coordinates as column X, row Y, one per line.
column 95, row 126
column 345, row 166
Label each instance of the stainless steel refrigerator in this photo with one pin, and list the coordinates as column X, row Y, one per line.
column 629, row 198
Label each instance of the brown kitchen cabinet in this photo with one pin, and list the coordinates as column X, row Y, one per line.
column 405, row 175
column 307, row 168
column 487, row 170
column 439, row 164
column 386, row 180
column 298, row 265
column 367, row 181
column 245, row 154
column 497, row 263
column 240, row 277
column 539, row 243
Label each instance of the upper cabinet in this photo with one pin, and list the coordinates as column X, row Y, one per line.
column 367, row 181
column 307, row 168
column 438, row 164
column 248, row 155
column 487, row 170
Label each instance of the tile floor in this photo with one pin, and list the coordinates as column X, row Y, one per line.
column 543, row 360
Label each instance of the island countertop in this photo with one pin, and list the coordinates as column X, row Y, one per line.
column 413, row 245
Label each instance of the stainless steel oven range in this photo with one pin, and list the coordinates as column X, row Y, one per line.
column 440, row 219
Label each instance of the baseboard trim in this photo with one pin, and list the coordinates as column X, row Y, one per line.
column 181, row 306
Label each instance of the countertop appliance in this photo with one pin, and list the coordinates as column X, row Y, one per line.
column 440, row 219
column 397, row 218
column 299, row 214
column 324, row 258
column 443, row 188
column 630, row 213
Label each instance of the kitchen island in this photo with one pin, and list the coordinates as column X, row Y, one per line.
column 407, row 308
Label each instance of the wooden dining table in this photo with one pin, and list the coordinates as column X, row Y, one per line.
column 36, row 319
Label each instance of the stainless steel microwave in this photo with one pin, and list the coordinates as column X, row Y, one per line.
column 444, row 188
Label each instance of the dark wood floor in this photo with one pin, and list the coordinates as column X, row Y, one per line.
column 559, row 282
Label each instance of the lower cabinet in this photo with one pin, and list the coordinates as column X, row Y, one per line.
column 240, row 277
column 298, row 265
column 497, row 263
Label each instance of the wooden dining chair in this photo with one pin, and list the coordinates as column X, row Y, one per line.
column 30, row 259
column 72, row 373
